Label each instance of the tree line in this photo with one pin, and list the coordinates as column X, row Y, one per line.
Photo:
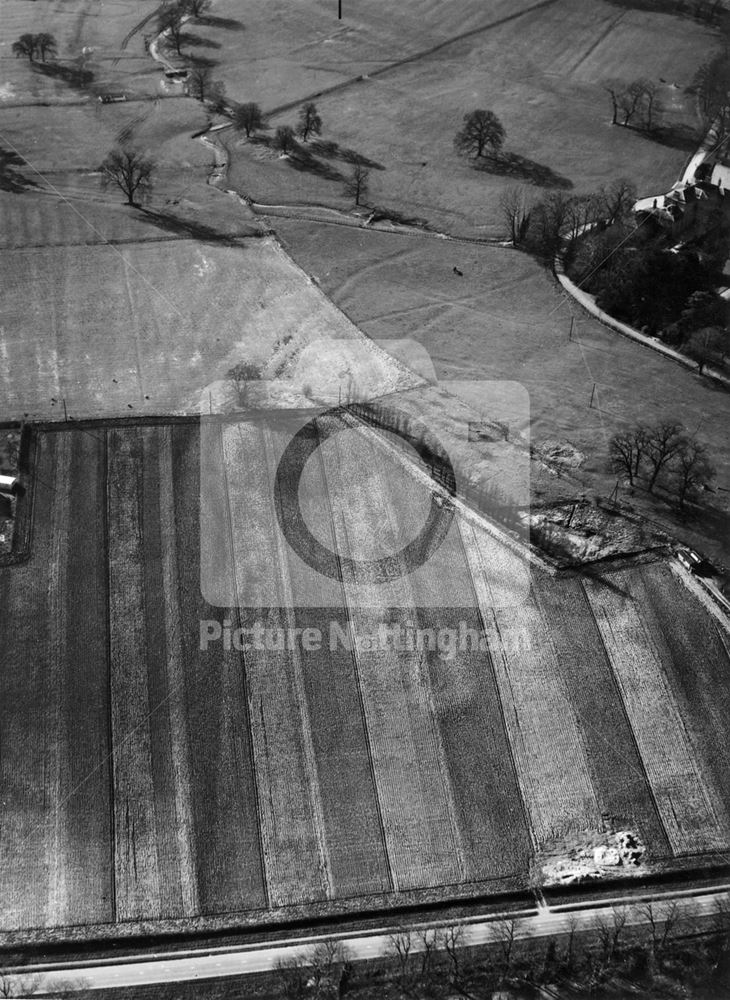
column 662, row 454
column 652, row 958
column 31, row 45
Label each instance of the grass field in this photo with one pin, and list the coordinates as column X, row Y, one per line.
column 542, row 65
column 147, row 326
column 117, row 64
column 504, row 319
column 146, row 778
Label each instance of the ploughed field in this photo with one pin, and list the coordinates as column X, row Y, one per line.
column 144, row 777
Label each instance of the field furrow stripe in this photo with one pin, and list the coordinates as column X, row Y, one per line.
column 291, row 833
column 280, row 555
column 618, row 774
column 680, row 793
column 180, row 740
column 420, row 824
column 59, row 851
column 136, row 864
column 356, row 850
column 545, row 738
column 26, row 830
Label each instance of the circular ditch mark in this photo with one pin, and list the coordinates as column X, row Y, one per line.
column 323, row 559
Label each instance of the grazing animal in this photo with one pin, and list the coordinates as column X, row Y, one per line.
column 457, row 271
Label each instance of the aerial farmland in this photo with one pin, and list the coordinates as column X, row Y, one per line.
column 327, row 585
column 342, row 774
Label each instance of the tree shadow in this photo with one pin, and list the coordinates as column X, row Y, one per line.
column 706, row 13
column 11, row 176
column 228, row 23
column 332, row 150
column 675, row 135
column 193, row 41
column 352, row 156
column 186, row 228
column 524, row 169
column 302, row 159
column 74, row 76
column 197, row 60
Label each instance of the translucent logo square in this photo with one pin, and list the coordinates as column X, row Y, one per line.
column 419, row 499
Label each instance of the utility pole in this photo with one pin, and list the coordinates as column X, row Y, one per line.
column 570, row 332
column 590, row 405
column 65, row 412
column 339, row 9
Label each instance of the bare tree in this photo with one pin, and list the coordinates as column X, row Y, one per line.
column 248, row 118
column 357, row 182
column 581, row 212
column 692, row 470
column 626, row 451
column 663, row 442
column 516, row 213
column 617, row 200
column 505, row 932
column 549, row 219
column 604, row 933
column 429, row 940
column 649, row 104
column 619, row 916
column 16, row 986
column 310, row 122
column 130, row 170
column 203, row 87
column 195, row 8
column 284, row 139
column 481, row 130
column 711, row 85
column 46, row 45
column 663, row 924
column 401, row 944
column 326, row 961
column 242, row 374
column 292, row 974
column 170, row 23
column 704, row 346
column 631, row 99
column 453, row 944
column 572, row 929
column 25, row 46
column 672, row 918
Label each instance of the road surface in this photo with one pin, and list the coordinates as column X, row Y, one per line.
column 236, row 960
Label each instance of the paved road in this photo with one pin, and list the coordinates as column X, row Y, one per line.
column 236, row 961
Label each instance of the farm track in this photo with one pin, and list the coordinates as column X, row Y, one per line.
column 136, row 29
